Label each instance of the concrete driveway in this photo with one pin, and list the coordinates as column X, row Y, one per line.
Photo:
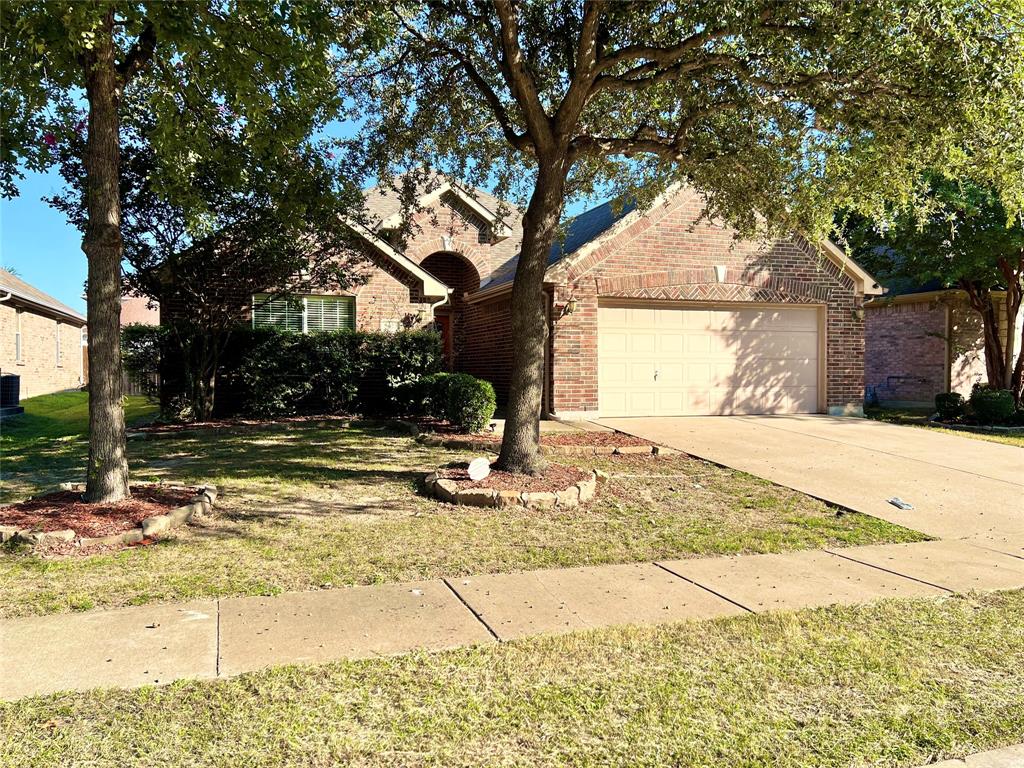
column 960, row 487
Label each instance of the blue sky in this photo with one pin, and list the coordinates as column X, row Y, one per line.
column 38, row 243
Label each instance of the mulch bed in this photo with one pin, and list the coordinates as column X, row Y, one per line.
column 65, row 509
column 189, row 426
column 582, row 438
column 609, row 439
column 557, row 477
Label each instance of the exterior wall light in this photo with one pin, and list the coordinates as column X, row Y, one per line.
column 858, row 313
column 568, row 308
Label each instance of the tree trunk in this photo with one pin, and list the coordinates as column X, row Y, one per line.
column 107, row 474
column 520, row 445
column 982, row 302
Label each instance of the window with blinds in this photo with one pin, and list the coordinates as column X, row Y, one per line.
column 304, row 314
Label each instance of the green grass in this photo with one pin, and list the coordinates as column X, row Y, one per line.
column 46, row 443
column 319, row 504
column 898, row 683
column 917, row 416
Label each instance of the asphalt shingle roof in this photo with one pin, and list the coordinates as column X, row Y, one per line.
column 18, row 287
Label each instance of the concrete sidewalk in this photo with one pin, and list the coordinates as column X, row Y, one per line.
column 218, row 638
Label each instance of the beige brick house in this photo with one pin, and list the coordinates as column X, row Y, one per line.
column 40, row 339
column 655, row 312
column 922, row 342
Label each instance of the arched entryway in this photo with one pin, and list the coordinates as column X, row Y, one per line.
column 459, row 274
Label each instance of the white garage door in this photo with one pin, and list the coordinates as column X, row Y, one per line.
column 674, row 361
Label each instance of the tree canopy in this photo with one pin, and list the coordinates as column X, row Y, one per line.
column 961, row 236
column 782, row 112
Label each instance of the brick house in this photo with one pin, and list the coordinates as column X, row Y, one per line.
column 922, row 341
column 40, row 339
column 656, row 312
column 138, row 310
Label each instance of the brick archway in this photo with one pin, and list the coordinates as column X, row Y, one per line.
column 458, row 273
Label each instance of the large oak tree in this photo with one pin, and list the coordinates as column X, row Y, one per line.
column 264, row 61
column 778, row 112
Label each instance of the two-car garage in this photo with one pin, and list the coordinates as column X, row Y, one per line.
column 674, row 359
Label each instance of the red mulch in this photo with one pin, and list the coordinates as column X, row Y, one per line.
column 610, row 439
column 188, row 426
column 65, row 509
column 557, row 477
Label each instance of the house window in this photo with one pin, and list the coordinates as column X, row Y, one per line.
column 304, row 314
column 57, row 346
column 17, row 337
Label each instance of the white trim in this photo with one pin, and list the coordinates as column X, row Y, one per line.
column 867, row 284
column 431, row 285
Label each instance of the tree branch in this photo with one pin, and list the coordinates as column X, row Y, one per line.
column 584, row 71
column 139, row 55
column 520, row 82
column 517, row 140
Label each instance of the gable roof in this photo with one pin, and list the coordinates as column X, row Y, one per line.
column 577, row 232
column 385, row 204
column 14, row 286
column 598, row 225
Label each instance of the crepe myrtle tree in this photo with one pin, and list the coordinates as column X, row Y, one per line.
column 275, row 221
column 262, row 60
column 777, row 112
column 960, row 235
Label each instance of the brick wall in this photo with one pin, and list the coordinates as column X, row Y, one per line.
column 487, row 345
column 905, row 357
column 917, row 349
column 38, row 368
column 671, row 255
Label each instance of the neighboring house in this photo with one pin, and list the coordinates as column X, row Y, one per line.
column 921, row 341
column 139, row 310
column 40, row 339
column 656, row 312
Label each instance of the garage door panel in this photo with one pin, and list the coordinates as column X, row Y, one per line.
column 657, row 360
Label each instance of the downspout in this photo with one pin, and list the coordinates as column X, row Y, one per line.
column 5, row 298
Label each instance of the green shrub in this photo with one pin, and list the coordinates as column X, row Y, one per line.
column 266, row 372
column 992, row 406
column 464, row 401
column 470, row 402
column 949, row 405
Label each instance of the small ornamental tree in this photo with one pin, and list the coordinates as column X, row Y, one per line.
column 776, row 112
column 258, row 59
column 273, row 222
column 963, row 237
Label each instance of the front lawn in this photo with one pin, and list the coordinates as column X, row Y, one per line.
column 917, row 416
column 898, row 684
column 312, row 505
column 46, row 445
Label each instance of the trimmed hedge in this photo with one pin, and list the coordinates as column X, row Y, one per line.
column 266, row 372
column 992, row 406
column 464, row 401
column 950, row 405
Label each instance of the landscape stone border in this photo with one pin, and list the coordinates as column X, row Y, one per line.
column 447, row 490
column 470, row 443
column 202, row 502
column 980, row 429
